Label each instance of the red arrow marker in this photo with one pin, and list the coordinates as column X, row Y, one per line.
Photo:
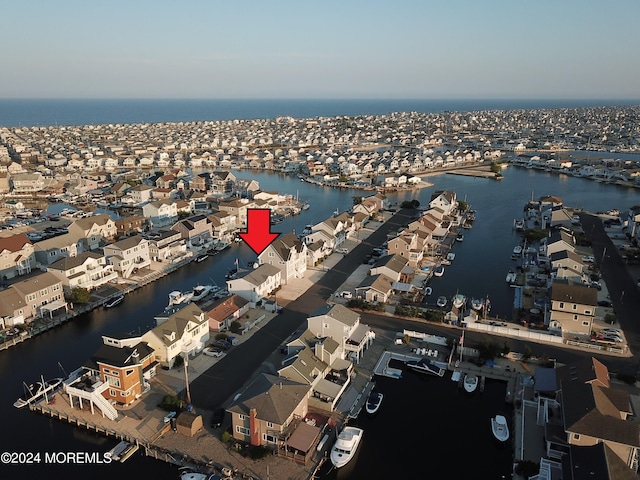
column 258, row 235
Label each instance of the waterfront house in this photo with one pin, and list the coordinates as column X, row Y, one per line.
column 238, row 208
column 343, row 325
column 317, row 251
column 375, row 288
column 573, row 306
column 223, row 225
column 269, row 411
column 195, row 230
column 12, row 308
column 17, row 256
column 125, row 364
column 407, row 245
column 568, row 260
column 224, row 311
column 161, row 213
column 53, row 249
column 392, row 266
column 42, row 294
column 87, row 270
column 256, row 285
column 559, row 240
column 139, row 194
column 28, row 182
column 128, row 255
column 445, row 200
column 180, row 332
column 96, row 229
column 287, row 253
column 166, row 245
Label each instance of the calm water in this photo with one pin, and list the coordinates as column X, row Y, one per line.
column 38, row 112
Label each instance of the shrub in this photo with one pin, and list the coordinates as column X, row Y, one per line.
column 225, row 437
column 171, row 403
column 79, row 295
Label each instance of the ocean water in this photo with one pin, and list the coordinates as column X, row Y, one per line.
column 45, row 112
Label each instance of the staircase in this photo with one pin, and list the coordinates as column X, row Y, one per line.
column 542, row 411
column 95, row 397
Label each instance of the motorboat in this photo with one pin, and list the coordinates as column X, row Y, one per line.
column 428, row 291
column 470, row 382
column 442, row 301
column 511, row 277
column 221, row 245
column 202, row 257
column 459, row 237
column 439, row 271
column 500, row 428
column 458, row 300
column 201, row 291
column 451, row 256
column 477, row 303
column 374, row 400
column 177, row 297
column 37, row 391
column 519, row 224
column 346, row 445
column 426, row 366
column 117, row 300
column 188, row 474
column 517, row 250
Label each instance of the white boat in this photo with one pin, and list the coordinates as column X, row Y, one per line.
column 500, row 428
column 426, row 366
column 458, row 300
column 477, row 303
column 439, row 271
column 428, row 291
column 373, row 402
column 36, row 392
column 511, row 277
column 201, row 291
column 519, row 224
column 470, row 382
column 221, row 245
column 459, row 237
column 188, row 474
column 114, row 301
column 177, row 297
column 442, row 301
column 346, row 445
column 451, row 256
column 517, row 250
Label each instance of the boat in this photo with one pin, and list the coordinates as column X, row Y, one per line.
column 188, row 474
column 201, row 291
column 426, row 366
column 451, row 256
column 442, row 301
column 177, row 297
column 477, row 303
column 459, row 237
column 346, row 445
column 458, row 300
column 37, row 391
column 428, row 291
column 517, row 250
column 511, row 277
column 202, row 257
column 470, row 382
column 519, row 224
column 308, row 230
column 117, row 300
column 374, row 400
column 221, row 245
column 439, row 271
column 500, row 428
column 306, row 206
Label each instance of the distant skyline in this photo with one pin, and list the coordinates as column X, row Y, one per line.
column 413, row 49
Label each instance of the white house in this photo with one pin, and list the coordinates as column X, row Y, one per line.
column 287, row 253
column 87, row 270
column 128, row 255
column 257, row 284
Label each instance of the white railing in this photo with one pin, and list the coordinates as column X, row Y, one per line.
column 95, row 396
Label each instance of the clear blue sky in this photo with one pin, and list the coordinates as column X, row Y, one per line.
column 320, row 49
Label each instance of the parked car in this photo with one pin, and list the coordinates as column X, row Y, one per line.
column 344, row 251
column 223, row 344
column 345, row 294
column 613, row 338
column 212, row 352
column 218, row 417
column 611, row 331
column 605, row 303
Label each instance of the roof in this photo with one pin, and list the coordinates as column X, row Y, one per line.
column 127, row 243
column 260, row 275
column 380, row 283
column 393, row 262
column 224, row 307
column 14, row 243
column 36, row 283
column 337, row 312
column 285, row 243
column 274, row 398
column 10, row 302
column 121, row 357
column 67, row 263
column 304, row 437
column 563, row 290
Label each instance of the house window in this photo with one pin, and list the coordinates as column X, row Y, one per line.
column 587, row 312
column 585, row 324
column 574, row 306
column 269, row 424
column 242, row 430
column 561, row 305
column 242, row 417
column 115, row 381
column 269, row 438
column 576, row 436
column 129, row 372
column 113, row 393
column 575, row 317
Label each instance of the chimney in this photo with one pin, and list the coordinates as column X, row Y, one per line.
column 254, row 432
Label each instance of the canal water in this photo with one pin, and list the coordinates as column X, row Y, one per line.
column 479, row 268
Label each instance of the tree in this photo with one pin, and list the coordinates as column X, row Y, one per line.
column 357, row 199
column 79, row 295
column 235, row 327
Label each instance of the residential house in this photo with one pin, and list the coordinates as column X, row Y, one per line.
column 317, row 251
column 269, row 412
column 237, row 207
column 125, row 364
column 407, row 244
column 166, row 245
column 87, row 270
column 183, row 332
column 633, row 222
column 195, row 230
column 224, row 311
column 128, row 255
column 342, row 325
column 97, row 230
column 287, row 253
column 139, row 194
column 166, row 181
column 28, row 182
column 392, row 266
column 161, row 213
column 5, row 185
column 567, row 263
column 53, row 249
column 42, row 294
column 560, row 239
column 221, row 183
column 17, row 256
column 223, row 225
column 131, row 225
column 12, row 308
column 375, row 288
column 573, row 306
column 445, row 200
column 258, row 284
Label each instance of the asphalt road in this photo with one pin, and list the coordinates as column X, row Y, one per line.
column 215, row 386
column 228, row 376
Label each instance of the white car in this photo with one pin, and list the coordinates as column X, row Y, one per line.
column 212, row 352
column 613, row 338
column 342, row 250
column 611, row 331
column 345, row 294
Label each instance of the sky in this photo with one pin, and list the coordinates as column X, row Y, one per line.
column 415, row 49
